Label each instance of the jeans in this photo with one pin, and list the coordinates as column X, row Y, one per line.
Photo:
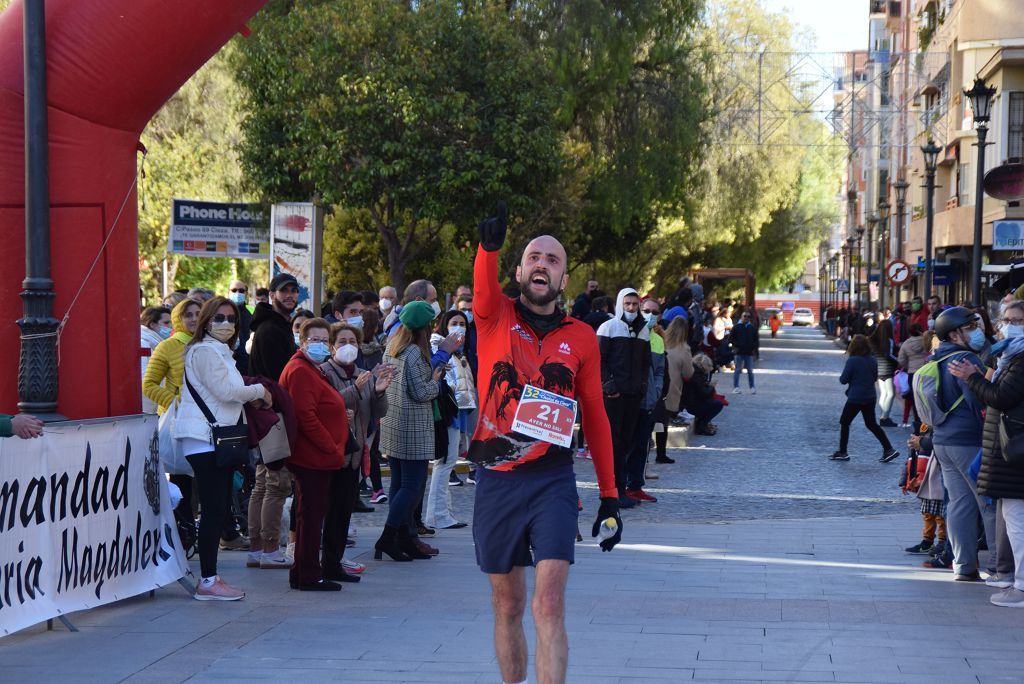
column 342, row 490
column 1013, row 512
column 623, row 412
column 266, row 503
column 311, row 492
column 214, row 485
column 963, row 507
column 850, row 411
column 742, row 360
column 637, row 459
column 886, row 394
column 439, row 497
column 407, row 481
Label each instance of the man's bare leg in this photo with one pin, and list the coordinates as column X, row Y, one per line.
column 508, row 596
column 549, row 618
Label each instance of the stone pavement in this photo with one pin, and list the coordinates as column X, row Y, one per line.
column 761, row 562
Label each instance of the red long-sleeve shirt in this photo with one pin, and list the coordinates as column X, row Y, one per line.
column 511, row 355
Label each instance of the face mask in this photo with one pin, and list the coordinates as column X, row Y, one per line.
column 931, row 324
column 651, row 318
column 1012, row 330
column 976, row 340
column 318, row 351
column 468, row 315
column 630, row 316
column 456, row 329
column 355, row 322
column 915, row 307
column 346, row 354
column 437, row 309
column 296, row 336
column 238, row 298
column 385, row 305
column 222, row 331
column 164, row 333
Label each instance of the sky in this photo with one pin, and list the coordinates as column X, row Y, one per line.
column 838, row 25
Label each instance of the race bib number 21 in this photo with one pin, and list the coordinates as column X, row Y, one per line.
column 546, row 416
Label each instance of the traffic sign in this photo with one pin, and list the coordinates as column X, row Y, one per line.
column 898, row 272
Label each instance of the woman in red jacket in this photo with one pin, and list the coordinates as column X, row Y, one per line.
column 318, row 450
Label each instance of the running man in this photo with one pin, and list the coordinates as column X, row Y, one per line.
column 526, row 504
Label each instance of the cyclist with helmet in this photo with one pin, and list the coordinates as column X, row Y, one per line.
column 957, row 439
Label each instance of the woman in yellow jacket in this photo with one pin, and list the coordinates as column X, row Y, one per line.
column 162, row 383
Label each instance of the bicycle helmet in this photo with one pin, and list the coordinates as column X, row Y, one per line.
column 952, row 319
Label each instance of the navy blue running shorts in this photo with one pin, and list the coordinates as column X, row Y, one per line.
column 520, row 519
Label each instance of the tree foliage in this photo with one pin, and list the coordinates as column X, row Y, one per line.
column 422, row 115
column 191, row 145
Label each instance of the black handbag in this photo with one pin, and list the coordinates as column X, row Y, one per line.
column 1011, row 437
column 230, row 442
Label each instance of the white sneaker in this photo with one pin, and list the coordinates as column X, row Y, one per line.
column 276, row 560
column 753, row 390
column 737, row 390
column 352, row 567
column 218, row 591
column 998, row 582
column 252, row 560
column 1008, row 598
column 289, row 551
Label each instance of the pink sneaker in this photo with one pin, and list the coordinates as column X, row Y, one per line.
column 218, row 591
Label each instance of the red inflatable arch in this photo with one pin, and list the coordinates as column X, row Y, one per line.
column 111, row 65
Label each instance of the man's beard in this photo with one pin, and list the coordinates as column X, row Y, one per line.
column 537, row 300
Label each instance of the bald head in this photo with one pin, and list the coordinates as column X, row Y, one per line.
column 542, row 273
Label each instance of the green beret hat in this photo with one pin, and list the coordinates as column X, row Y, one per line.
column 416, row 315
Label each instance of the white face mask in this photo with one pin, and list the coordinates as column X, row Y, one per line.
column 385, row 305
column 437, row 309
column 455, row 328
column 1011, row 330
column 630, row 316
column 346, row 353
column 468, row 315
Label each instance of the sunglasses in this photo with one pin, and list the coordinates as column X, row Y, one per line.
column 239, row 289
column 221, row 318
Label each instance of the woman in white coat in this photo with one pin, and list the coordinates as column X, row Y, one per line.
column 210, row 373
column 459, row 377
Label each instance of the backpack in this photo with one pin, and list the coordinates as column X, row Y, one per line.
column 927, row 398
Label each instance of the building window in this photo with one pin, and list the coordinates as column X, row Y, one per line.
column 1015, row 128
column 963, row 185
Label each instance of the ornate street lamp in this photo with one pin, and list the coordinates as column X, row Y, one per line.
column 931, row 158
column 860, row 256
column 981, row 105
column 883, row 234
column 900, row 188
column 872, row 222
column 853, row 285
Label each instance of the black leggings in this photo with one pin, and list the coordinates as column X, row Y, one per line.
column 214, row 486
column 850, row 411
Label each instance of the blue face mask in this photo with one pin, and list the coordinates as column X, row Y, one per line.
column 164, row 333
column 976, row 341
column 652, row 320
column 238, row 298
column 296, row 336
column 355, row 321
column 468, row 315
column 318, row 351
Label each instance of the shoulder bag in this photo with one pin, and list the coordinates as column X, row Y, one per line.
column 230, row 442
column 274, row 445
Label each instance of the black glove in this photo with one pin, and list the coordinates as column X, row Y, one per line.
column 609, row 509
column 492, row 230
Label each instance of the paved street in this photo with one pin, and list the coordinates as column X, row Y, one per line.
column 762, row 561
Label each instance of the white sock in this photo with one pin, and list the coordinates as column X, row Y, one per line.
column 525, row 681
column 208, row 581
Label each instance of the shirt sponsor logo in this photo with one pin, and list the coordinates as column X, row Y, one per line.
column 518, row 329
column 565, row 348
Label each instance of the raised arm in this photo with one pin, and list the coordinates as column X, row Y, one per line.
column 486, row 290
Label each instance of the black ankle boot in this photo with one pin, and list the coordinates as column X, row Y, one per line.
column 388, row 544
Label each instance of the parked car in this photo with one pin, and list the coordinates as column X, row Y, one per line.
column 803, row 316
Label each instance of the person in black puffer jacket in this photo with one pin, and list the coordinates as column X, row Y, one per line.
column 999, row 479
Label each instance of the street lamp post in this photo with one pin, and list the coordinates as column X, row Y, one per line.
column 931, row 157
column 858, row 250
column 854, row 281
column 981, row 104
column 872, row 222
column 883, row 233
column 900, row 187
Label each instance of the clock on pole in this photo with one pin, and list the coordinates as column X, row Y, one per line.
column 898, row 272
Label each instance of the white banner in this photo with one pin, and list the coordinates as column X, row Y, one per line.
column 296, row 247
column 85, row 519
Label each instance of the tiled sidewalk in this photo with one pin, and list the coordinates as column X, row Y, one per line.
column 826, row 600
